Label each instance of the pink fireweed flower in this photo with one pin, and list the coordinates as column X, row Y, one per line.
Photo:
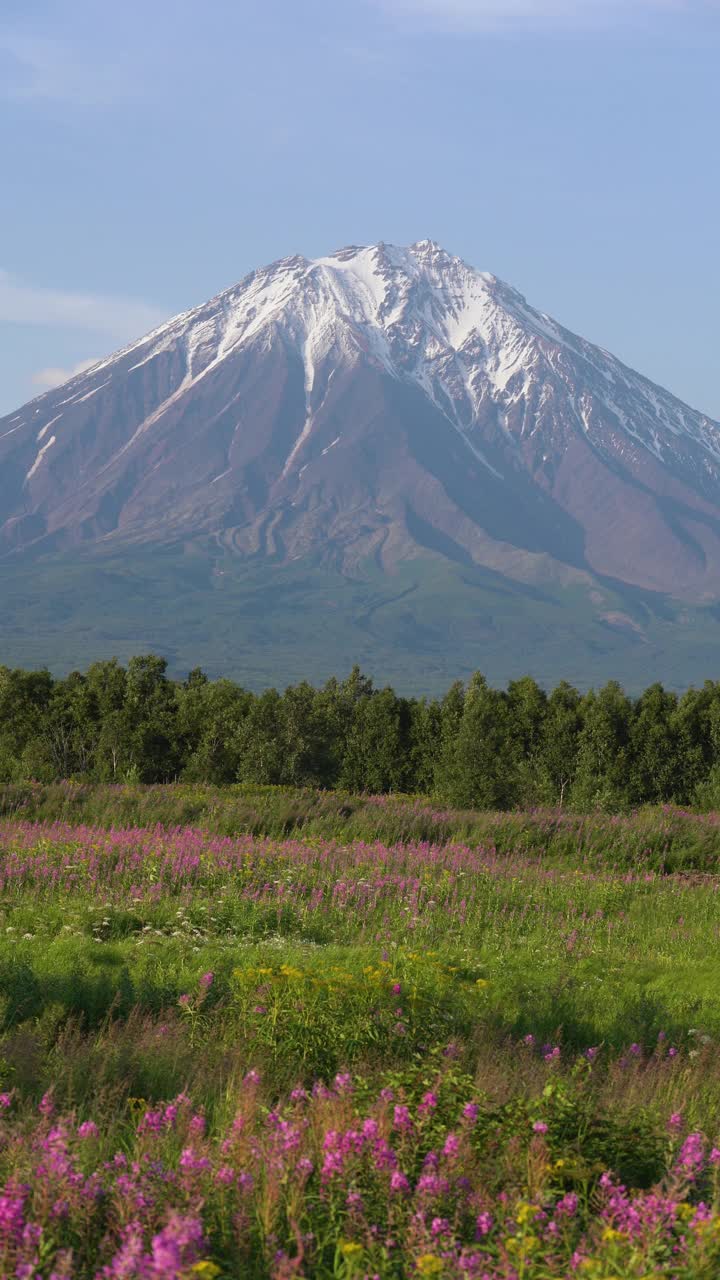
column 383, row 1155
column 151, row 1122
column 332, row 1165
column 88, row 1129
column 483, row 1225
column 343, row 1082
column 331, row 1141
column 396, row 988
column 432, row 1184
column 5, row 1101
column 12, row 1216
column 540, row 1127
column 46, row 1106
column 207, row 980
column 692, row 1154
column 714, row 1156
column 401, row 1118
column 177, row 1246
column 184, row 1001
column 470, row 1112
column 192, row 1162
column 675, row 1121
column 452, row 1146
column 399, row 1182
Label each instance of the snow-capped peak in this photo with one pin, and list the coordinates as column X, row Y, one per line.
column 470, row 342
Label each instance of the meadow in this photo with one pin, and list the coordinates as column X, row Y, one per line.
column 272, row 1033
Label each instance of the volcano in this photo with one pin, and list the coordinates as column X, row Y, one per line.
column 374, row 416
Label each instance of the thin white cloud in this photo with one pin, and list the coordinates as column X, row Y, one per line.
column 35, row 68
column 46, row 379
column 506, row 14
column 120, row 318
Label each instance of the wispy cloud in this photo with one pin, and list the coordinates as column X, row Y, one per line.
column 46, row 379
column 506, row 14
column 119, row 318
column 35, row 68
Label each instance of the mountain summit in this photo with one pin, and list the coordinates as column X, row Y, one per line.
column 365, row 414
column 373, row 403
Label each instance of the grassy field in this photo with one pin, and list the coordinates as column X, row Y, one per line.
column 272, row 1034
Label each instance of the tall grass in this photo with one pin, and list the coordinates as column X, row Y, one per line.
column 279, row 1042
column 662, row 838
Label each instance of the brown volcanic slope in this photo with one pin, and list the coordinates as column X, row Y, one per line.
column 378, row 403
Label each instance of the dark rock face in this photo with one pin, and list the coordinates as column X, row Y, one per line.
column 377, row 404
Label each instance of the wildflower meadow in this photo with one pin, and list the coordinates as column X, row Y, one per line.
column 274, row 1034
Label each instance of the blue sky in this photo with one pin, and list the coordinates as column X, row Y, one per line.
column 154, row 151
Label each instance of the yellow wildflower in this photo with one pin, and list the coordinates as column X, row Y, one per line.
column 525, row 1212
column 350, row 1248
column 429, row 1265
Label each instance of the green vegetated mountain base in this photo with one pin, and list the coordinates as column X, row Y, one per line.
column 419, row 628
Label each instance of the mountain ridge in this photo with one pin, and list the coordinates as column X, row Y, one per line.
column 375, row 408
column 528, row 400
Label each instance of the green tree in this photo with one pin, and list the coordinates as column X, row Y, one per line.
column 150, row 710
column 557, row 757
column 425, row 736
column 485, row 772
column 451, row 714
column 375, row 759
column 24, row 701
column 259, row 740
column 527, row 710
column 209, row 717
column 602, row 779
column 653, row 747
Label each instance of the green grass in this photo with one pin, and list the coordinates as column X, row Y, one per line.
column 558, row 972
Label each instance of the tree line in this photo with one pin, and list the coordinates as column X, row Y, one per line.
column 476, row 746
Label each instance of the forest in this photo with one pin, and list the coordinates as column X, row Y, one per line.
column 477, row 746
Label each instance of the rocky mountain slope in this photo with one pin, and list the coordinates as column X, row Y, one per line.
column 369, row 407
